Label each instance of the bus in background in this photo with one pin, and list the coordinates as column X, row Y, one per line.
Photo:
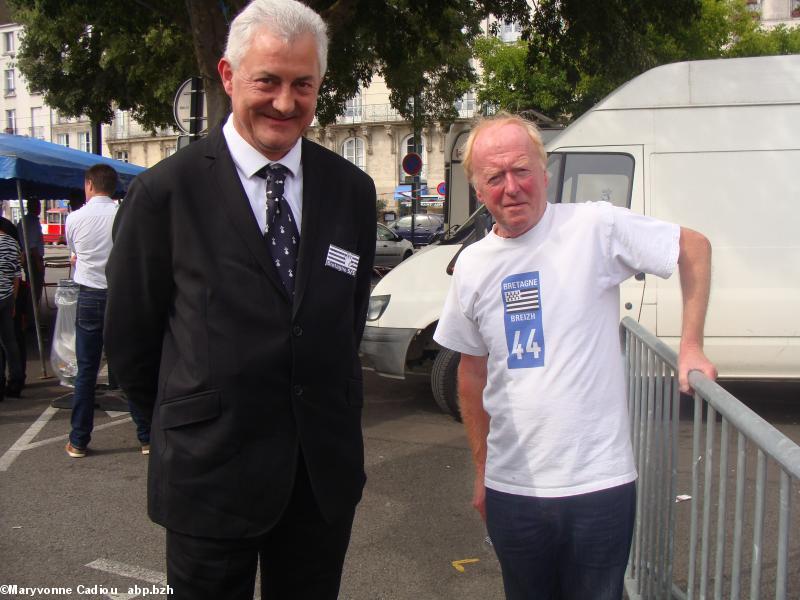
column 54, row 227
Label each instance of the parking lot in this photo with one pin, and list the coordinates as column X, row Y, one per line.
column 66, row 523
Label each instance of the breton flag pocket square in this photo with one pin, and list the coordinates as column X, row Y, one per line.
column 342, row 260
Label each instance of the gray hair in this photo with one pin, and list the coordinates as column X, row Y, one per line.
column 283, row 18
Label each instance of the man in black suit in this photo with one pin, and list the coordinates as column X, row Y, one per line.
column 247, row 357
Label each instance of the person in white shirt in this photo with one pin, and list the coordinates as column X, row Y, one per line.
column 534, row 311
column 88, row 233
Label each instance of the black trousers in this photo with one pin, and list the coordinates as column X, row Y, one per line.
column 300, row 558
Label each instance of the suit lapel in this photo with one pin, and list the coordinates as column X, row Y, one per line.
column 230, row 192
column 312, row 196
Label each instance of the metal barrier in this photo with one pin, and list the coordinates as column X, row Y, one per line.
column 679, row 496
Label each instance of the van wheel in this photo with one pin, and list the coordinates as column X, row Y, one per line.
column 443, row 382
column 406, row 255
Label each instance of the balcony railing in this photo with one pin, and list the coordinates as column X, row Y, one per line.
column 384, row 113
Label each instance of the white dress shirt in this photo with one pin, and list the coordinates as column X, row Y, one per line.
column 248, row 161
column 89, row 238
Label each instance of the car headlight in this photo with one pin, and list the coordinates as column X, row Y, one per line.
column 377, row 304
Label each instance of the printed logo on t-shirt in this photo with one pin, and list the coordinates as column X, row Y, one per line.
column 522, row 315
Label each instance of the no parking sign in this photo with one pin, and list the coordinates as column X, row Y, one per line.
column 412, row 164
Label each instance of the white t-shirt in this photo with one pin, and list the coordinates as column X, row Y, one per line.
column 545, row 308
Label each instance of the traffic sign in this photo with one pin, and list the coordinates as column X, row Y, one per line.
column 182, row 106
column 412, row 164
column 441, row 189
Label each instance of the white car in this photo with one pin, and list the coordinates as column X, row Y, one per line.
column 390, row 248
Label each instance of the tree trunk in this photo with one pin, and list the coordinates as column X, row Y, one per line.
column 209, row 32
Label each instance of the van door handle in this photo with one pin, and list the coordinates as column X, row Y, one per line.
column 628, row 305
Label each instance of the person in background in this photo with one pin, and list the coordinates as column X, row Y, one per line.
column 89, row 239
column 31, row 233
column 10, row 273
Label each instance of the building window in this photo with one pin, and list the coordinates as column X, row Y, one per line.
column 11, row 121
column 510, row 31
column 37, row 123
column 85, row 140
column 466, row 105
column 408, row 146
column 120, row 123
column 8, row 42
column 353, row 109
column 353, row 150
column 796, row 9
column 121, row 155
column 63, row 139
column 10, row 85
column 168, row 151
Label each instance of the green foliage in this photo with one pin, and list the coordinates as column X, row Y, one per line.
column 422, row 49
column 87, row 54
column 579, row 51
column 84, row 55
column 508, row 82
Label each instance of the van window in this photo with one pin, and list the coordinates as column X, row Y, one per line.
column 589, row 177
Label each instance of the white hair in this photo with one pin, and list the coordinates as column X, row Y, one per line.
column 286, row 19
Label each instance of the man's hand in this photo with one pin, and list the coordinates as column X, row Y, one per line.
column 694, row 263
column 479, row 496
column 692, row 358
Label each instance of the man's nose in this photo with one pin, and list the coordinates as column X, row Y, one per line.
column 511, row 186
column 284, row 100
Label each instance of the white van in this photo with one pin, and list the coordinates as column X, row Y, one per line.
column 712, row 145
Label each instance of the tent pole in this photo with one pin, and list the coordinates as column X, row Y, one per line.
column 31, row 282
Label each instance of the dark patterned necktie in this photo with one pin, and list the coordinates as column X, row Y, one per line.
column 281, row 232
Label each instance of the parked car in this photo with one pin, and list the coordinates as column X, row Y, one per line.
column 390, row 248
column 426, row 226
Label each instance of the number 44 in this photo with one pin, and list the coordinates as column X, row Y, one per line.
column 532, row 346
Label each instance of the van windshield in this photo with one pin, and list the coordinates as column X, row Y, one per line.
column 477, row 226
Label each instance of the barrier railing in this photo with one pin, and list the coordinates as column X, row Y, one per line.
column 683, row 498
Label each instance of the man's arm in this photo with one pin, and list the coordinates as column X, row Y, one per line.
column 694, row 263
column 471, row 381
column 366, row 252
column 140, row 287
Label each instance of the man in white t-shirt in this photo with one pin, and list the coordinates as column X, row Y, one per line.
column 534, row 312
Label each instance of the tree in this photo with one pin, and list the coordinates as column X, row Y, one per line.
column 87, row 55
column 600, row 45
column 509, row 83
column 577, row 53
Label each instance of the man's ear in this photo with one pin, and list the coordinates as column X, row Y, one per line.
column 225, row 71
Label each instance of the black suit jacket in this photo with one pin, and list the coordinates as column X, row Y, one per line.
column 202, row 335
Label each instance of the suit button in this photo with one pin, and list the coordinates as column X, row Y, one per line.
column 297, row 330
column 298, row 390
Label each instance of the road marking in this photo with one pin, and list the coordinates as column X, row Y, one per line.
column 21, row 444
column 131, row 571
column 458, row 565
column 24, row 442
column 134, row 572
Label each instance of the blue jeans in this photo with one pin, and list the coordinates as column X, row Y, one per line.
column 88, row 351
column 568, row 548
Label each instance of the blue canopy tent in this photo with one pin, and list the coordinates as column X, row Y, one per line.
column 31, row 168
column 48, row 170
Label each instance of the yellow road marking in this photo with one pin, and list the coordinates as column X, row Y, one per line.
column 458, row 565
